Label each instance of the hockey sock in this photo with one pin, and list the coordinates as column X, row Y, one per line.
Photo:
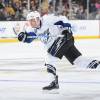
column 51, row 69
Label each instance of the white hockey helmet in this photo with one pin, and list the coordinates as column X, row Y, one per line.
column 33, row 15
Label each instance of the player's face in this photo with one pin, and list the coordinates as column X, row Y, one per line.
column 35, row 23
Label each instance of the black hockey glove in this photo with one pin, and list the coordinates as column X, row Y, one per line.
column 68, row 34
column 26, row 37
column 66, row 29
column 21, row 36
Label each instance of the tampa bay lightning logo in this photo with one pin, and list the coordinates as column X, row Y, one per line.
column 46, row 36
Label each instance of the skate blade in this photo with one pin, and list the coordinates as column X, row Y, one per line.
column 54, row 91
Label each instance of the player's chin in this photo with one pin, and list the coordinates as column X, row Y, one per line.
column 34, row 26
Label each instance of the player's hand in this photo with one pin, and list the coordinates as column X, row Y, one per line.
column 26, row 37
column 21, row 36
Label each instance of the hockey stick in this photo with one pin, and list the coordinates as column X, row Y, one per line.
column 15, row 31
column 44, row 36
column 39, row 36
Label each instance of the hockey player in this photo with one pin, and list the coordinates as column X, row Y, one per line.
column 55, row 32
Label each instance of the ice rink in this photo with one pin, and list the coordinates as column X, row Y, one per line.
column 22, row 74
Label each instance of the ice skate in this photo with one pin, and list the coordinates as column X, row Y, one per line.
column 94, row 64
column 53, row 86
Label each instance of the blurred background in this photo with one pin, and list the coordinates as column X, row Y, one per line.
column 16, row 10
column 84, row 16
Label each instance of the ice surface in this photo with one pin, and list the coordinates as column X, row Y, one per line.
column 22, row 74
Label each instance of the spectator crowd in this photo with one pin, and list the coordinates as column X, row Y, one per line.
column 11, row 10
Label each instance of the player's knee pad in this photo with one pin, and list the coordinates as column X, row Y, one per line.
column 51, row 69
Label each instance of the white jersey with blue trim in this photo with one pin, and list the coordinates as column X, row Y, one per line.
column 48, row 32
column 49, row 29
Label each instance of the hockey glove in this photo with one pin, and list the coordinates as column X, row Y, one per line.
column 66, row 29
column 26, row 37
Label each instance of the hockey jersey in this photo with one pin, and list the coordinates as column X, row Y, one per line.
column 48, row 31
